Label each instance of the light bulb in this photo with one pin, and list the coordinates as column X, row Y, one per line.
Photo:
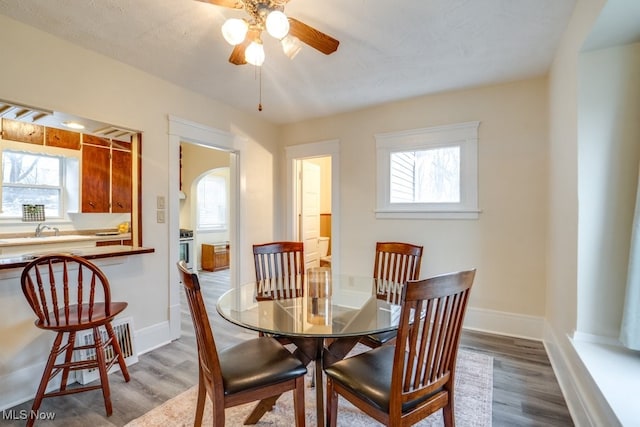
column 277, row 24
column 254, row 54
column 234, row 30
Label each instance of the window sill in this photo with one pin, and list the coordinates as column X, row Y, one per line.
column 615, row 370
column 419, row 214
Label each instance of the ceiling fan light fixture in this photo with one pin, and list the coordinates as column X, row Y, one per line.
column 234, row 30
column 291, row 46
column 254, row 54
column 277, row 24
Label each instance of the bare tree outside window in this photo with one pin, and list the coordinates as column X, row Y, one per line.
column 29, row 178
column 426, row 176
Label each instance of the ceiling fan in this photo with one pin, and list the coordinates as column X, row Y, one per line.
column 245, row 34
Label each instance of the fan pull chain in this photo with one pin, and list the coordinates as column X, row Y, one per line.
column 260, row 83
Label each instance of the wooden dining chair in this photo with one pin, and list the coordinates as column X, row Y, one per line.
column 279, row 270
column 252, row 370
column 68, row 295
column 401, row 384
column 395, row 263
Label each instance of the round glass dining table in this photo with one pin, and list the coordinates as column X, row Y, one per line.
column 323, row 324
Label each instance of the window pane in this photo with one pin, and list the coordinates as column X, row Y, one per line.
column 31, row 178
column 425, row 176
column 30, row 169
column 14, row 197
column 212, row 202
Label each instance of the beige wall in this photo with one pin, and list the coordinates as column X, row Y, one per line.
column 506, row 243
column 43, row 71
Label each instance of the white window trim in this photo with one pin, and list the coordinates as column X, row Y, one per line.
column 464, row 135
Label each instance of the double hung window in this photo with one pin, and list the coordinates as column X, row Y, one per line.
column 31, row 178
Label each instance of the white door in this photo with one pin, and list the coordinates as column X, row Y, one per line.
column 310, row 213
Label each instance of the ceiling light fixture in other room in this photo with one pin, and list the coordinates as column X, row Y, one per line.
column 73, row 125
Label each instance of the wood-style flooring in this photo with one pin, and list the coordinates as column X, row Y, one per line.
column 525, row 390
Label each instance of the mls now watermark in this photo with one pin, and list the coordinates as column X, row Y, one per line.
column 23, row 414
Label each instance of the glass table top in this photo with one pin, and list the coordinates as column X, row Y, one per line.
column 351, row 309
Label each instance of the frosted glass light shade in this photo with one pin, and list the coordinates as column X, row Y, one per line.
column 291, row 46
column 254, row 54
column 277, row 24
column 234, row 30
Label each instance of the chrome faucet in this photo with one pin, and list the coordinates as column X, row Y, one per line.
column 40, row 228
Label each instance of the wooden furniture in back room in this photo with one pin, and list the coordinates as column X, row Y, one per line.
column 215, row 256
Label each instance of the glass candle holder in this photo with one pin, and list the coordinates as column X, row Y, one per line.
column 319, row 282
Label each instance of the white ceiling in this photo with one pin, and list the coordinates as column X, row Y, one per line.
column 389, row 50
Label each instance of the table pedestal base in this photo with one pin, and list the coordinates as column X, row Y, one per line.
column 307, row 350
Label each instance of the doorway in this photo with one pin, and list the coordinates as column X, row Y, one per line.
column 184, row 131
column 313, row 201
column 205, row 199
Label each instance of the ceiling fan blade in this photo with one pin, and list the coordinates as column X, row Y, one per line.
column 237, row 54
column 233, row 4
column 314, row 38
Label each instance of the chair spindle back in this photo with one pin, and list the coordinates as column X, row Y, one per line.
column 395, row 264
column 428, row 336
column 55, row 283
column 279, row 270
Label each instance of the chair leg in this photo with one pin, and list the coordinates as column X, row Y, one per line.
column 118, row 351
column 298, row 402
column 71, row 342
column 448, row 414
column 202, row 396
column 46, row 376
column 332, row 405
column 102, row 369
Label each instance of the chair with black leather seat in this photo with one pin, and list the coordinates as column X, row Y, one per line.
column 395, row 263
column 279, row 270
column 69, row 294
column 279, row 273
column 403, row 383
column 252, row 370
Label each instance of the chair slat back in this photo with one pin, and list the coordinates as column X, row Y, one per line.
column 61, row 288
column 428, row 335
column 395, row 264
column 279, row 270
column 207, row 352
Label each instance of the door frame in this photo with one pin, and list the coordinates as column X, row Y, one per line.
column 181, row 130
column 293, row 153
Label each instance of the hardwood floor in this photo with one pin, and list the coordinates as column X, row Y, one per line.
column 525, row 390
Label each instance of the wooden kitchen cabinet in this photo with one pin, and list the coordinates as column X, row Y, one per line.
column 30, row 133
column 96, row 178
column 121, row 181
column 62, row 138
column 215, row 257
column 106, row 176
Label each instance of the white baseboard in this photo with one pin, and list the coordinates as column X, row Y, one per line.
column 152, row 337
column 503, row 323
